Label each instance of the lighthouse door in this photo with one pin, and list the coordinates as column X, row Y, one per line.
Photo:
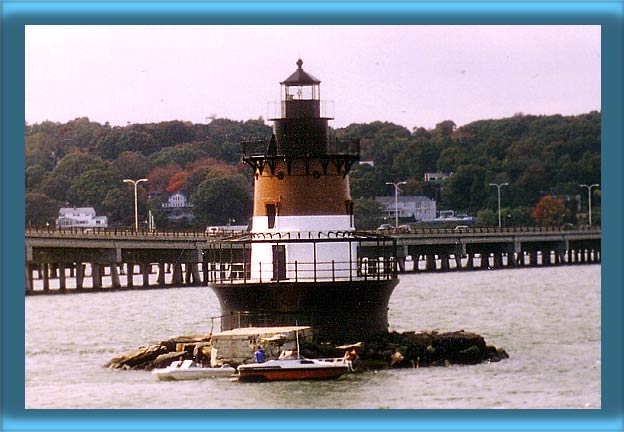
column 279, row 262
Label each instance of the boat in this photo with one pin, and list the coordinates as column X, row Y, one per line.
column 294, row 367
column 189, row 370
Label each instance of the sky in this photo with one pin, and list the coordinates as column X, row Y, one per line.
column 415, row 76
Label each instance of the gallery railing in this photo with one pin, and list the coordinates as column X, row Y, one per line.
column 381, row 268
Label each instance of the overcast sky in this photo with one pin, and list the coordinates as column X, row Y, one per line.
column 409, row 75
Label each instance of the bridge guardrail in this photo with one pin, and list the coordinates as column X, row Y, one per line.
column 100, row 232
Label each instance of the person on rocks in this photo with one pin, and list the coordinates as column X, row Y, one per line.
column 259, row 355
column 350, row 357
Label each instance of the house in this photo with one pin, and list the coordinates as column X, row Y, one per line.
column 418, row 207
column 178, row 208
column 80, row 217
column 437, row 176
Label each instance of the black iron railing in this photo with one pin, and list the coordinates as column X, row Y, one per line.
column 252, row 147
column 380, row 268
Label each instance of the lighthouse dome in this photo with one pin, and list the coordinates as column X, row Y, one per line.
column 300, row 77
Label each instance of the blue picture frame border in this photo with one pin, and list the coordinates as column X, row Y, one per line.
column 16, row 15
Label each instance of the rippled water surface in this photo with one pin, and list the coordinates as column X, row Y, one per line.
column 547, row 319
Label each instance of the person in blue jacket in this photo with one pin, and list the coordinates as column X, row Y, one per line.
column 259, row 355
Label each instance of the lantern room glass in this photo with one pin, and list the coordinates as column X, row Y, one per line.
column 301, row 92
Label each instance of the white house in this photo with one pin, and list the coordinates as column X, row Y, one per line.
column 178, row 208
column 80, row 217
column 418, row 207
column 437, row 176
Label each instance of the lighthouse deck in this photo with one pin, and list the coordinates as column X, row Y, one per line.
column 379, row 268
column 301, row 257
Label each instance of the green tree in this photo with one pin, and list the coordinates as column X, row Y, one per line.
column 487, row 218
column 230, row 152
column 451, row 158
column 34, row 177
column 41, row 148
column 40, row 210
column 140, row 138
column 91, row 188
column 466, row 189
column 368, row 213
column 110, row 143
column 173, row 132
column 365, row 181
column 55, row 186
column 118, row 205
column 217, row 200
column 76, row 163
column 417, row 158
column 518, row 216
column 132, row 165
column 182, row 155
column 80, row 133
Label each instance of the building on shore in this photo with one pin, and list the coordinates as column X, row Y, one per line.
column 413, row 207
column 437, row 176
column 80, row 217
column 178, row 208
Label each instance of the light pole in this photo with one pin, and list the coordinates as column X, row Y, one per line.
column 498, row 186
column 396, row 201
column 136, row 211
column 589, row 188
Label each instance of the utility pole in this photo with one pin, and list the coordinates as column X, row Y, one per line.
column 136, row 211
column 498, row 187
column 396, row 201
column 589, row 188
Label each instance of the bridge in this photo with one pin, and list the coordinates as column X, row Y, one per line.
column 61, row 261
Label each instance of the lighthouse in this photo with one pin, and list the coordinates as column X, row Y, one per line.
column 303, row 262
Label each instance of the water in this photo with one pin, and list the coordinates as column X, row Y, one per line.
column 547, row 319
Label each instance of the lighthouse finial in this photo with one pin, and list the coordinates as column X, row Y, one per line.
column 299, row 63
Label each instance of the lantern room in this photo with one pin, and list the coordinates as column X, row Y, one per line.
column 301, row 95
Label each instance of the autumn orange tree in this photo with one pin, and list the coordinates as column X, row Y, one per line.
column 550, row 210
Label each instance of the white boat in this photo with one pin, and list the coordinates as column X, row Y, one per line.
column 294, row 368
column 189, row 370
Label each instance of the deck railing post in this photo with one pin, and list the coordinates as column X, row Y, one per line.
column 350, row 263
column 314, row 261
column 296, row 272
column 333, row 272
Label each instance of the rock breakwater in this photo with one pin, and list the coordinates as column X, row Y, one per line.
column 393, row 350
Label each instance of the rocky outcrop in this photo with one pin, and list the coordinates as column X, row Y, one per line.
column 163, row 353
column 394, row 350
column 412, row 349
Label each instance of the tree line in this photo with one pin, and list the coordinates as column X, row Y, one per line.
column 83, row 163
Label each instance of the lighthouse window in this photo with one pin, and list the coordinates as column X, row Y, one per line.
column 270, row 211
column 299, row 93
